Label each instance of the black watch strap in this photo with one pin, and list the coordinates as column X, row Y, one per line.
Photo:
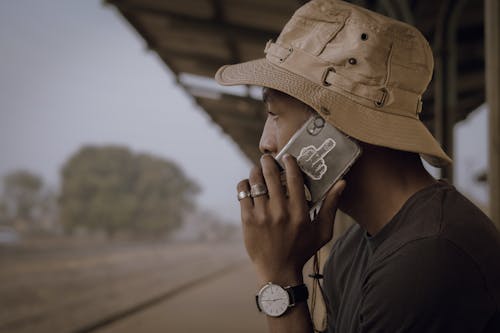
column 297, row 294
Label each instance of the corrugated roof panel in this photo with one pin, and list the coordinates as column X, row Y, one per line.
column 263, row 16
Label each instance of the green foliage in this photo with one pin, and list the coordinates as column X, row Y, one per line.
column 112, row 189
column 21, row 194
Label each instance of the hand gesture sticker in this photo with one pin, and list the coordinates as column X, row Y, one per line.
column 311, row 159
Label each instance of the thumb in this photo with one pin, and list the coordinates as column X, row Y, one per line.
column 327, row 212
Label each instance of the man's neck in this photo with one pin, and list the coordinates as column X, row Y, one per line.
column 380, row 206
column 381, row 192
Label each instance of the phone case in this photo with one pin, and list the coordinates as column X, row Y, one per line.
column 323, row 153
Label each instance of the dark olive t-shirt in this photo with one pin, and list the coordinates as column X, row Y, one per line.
column 435, row 267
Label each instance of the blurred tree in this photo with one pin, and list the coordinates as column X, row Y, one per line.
column 21, row 196
column 109, row 188
column 48, row 212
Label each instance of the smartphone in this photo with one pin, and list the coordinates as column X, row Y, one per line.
column 323, row 153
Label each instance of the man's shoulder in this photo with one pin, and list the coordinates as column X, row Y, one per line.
column 446, row 233
column 471, row 231
column 347, row 242
column 421, row 279
column 434, row 259
column 441, row 211
column 342, row 256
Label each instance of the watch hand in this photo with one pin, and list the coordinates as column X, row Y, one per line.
column 273, row 300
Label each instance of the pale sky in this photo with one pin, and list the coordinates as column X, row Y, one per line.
column 75, row 73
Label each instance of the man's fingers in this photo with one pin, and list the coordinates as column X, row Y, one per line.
column 294, row 181
column 256, row 178
column 328, row 209
column 272, row 177
column 245, row 203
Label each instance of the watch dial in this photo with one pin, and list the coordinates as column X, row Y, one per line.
column 273, row 300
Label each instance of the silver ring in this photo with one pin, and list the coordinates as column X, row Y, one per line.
column 243, row 194
column 257, row 190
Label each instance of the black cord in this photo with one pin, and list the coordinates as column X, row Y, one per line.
column 316, row 276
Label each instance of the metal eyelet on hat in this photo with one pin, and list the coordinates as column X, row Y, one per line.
column 290, row 50
column 324, row 111
column 364, row 36
column 325, row 75
column 380, row 103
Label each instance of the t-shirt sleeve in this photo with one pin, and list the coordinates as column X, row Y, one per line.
column 428, row 285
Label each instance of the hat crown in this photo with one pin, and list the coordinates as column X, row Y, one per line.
column 363, row 72
column 364, row 46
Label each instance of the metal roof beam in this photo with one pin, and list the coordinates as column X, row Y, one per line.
column 181, row 21
column 492, row 27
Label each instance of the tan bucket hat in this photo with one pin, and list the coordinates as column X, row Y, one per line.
column 363, row 72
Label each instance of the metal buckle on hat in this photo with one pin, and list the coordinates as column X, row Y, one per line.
column 325, row 76
column 380, row 103
column 419, row 106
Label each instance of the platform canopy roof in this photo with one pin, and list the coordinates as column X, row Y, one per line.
column 195, row 37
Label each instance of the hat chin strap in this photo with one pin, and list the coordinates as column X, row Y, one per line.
column 386, row 99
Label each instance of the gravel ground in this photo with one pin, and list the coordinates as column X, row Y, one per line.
column 126, row 287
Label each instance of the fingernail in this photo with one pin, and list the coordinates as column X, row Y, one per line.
column 284, row 158
column 342, row 187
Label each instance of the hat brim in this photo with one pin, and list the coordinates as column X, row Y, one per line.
column 366, row 124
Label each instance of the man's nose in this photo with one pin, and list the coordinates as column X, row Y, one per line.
column 267, row 144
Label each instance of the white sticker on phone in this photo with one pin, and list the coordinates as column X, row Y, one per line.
column 311, row 159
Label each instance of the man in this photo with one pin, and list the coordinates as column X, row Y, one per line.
column 421, row 257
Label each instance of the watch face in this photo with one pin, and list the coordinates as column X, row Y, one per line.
column 273, row 300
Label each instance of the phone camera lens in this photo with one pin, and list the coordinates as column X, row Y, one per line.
column 319, row 122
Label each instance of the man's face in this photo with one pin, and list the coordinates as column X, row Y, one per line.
column 285, row 115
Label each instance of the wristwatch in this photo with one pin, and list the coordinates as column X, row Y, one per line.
column 275, row 300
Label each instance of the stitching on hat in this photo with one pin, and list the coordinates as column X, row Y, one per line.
column 356, row 98
column 337, row 97
column 277, row 51
column 339, row 26
column 363, row 24
column 351, row 87
column 343, row 71
column 391, row 32
column 388, row 65
column 413, row 69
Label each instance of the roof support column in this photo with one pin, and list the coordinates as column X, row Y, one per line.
column 445, row 76
column 492, row 41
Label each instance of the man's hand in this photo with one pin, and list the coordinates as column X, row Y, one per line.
column 279, row 235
